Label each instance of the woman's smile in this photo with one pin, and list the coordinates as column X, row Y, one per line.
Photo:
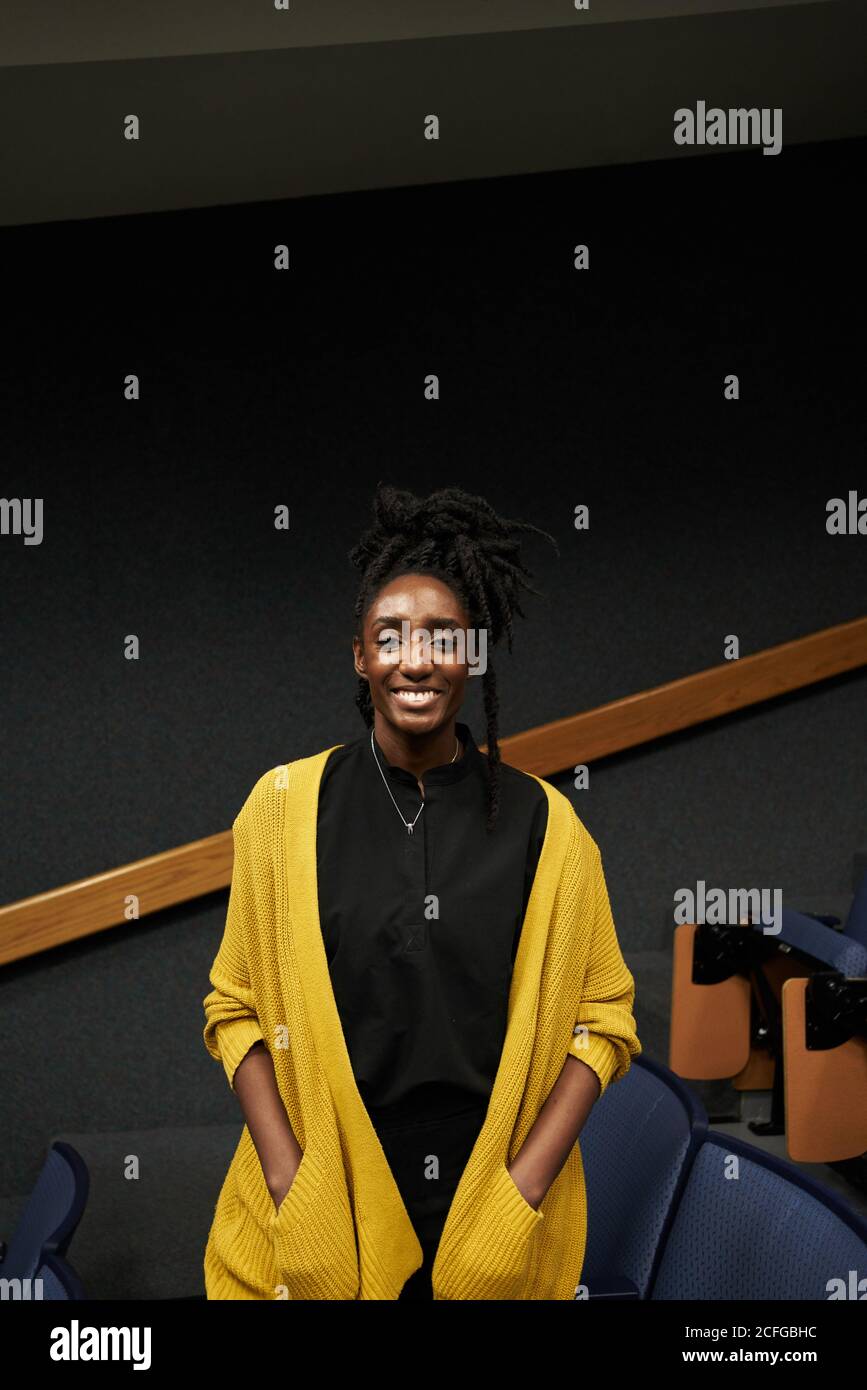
column 406, row 695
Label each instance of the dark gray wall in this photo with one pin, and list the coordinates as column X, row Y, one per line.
column 707, row 518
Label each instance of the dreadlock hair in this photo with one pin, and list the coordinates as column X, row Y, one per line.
column 459, row 539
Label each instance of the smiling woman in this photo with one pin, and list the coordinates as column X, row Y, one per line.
column 429, row 928
column 447, row 563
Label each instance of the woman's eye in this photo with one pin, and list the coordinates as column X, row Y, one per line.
column 442, row 642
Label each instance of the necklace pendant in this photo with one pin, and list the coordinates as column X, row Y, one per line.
column 409, row 829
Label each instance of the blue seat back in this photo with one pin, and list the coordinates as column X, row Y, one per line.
column 51, row 1213
column 636, row 1146
column 838, row 950
column 768, row 1233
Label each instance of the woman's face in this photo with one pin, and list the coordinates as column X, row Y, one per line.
column 413, row 651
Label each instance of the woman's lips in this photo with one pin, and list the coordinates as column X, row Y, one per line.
column 415, row 699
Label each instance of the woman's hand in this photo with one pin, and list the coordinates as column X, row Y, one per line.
column 280, row 1184
column 529, row 1187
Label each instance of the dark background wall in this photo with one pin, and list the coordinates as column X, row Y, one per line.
column 304, row 388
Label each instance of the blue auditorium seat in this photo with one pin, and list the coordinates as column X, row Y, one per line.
column 51, row 1214
column 637, row 1146
column 770, row 1233
column 845, row 950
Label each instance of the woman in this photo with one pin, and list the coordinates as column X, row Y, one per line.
column 419, row 994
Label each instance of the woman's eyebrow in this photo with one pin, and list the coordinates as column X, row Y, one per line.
column 394, row 621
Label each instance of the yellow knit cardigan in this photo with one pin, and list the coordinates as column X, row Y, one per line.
column 342, row 1231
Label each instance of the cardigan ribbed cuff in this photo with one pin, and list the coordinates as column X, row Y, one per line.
column 599, row 1053
column 235, row 1037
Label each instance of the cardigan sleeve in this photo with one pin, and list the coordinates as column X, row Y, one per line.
column 231, row 1021
column 605, row 1036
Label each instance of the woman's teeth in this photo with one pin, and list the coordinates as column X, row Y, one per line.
column 415, row 697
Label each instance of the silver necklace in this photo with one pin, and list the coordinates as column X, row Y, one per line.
column 408, row 823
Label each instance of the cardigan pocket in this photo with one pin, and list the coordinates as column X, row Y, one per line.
column 492, row 1260
column 313, row 1235
column 519, row 1210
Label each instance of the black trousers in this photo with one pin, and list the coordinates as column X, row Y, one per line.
column 427, row 1157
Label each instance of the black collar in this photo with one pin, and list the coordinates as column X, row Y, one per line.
column 441, row 776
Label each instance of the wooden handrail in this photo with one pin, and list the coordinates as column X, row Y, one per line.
column 91, row 905
column 584, row 738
